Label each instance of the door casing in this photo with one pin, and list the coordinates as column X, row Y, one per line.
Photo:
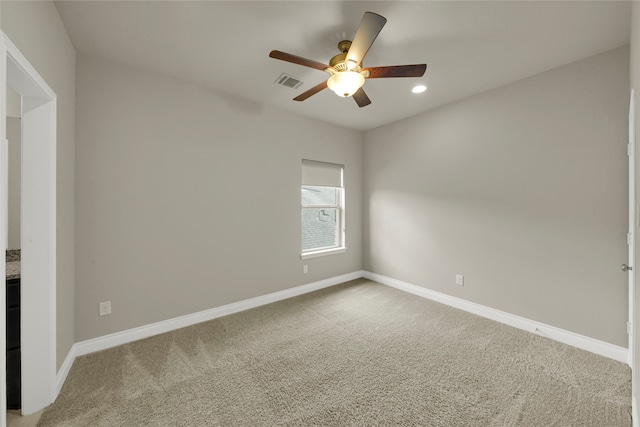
column 38, row 231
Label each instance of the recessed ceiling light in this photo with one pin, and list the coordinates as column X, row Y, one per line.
column 419, row 89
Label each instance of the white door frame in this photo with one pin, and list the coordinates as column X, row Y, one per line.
column 634, row 223
column 38, row 233
column 632, row 226
column 3, row 220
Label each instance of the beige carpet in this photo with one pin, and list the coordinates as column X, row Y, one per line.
column 356, row 354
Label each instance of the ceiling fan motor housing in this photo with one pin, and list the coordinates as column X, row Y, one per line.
column 339, row 62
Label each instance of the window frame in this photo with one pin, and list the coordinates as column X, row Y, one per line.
column 340, row 247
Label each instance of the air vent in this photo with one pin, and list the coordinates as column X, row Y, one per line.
column 288, row 81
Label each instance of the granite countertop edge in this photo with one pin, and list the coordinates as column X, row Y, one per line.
column 13, row 270
column 12, row 258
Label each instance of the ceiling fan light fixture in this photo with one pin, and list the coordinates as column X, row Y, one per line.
column 345, row 83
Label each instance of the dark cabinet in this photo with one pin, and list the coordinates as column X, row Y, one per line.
column 13, row 344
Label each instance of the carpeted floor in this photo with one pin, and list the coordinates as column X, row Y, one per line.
column 356, row 354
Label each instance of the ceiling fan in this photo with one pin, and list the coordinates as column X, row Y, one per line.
column 347, row 76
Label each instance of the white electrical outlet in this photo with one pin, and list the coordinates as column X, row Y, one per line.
column 459, row 279
column 305, row 269
column 105, row 308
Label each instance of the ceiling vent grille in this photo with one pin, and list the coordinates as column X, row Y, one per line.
column 288, row 81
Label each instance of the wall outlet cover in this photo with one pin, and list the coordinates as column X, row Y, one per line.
column 105, row 308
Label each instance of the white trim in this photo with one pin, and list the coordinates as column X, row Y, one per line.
column 4, row 195
column 38, row 335
column 108, row 341
column 24, row 76
column 634, row 412
column 325, row 252
column 65, row 368
column 135, row 334
column 580, row 341
column 631, row 244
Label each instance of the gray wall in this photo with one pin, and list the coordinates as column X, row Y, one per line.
column 522, row 189
column 188, row 199
column 36, row 29
column 14, row 135
column 14, row 101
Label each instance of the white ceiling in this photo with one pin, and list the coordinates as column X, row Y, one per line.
column 470, row 47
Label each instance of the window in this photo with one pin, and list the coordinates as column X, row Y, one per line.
column 322, row 204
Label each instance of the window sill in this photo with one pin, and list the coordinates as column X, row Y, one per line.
column 323, row 253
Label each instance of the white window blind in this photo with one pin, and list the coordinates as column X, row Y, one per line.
column 323, row 214
column 321, row 174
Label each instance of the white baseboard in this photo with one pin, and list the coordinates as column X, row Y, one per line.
column 63, row 372
column 135, row 334
column 580, row 341
column 102, row 343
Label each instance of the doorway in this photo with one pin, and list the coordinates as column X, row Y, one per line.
column 38, row 231
column 11, row 151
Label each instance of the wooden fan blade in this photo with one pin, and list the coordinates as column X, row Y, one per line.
column 416, row 70
column 317, row 88
column 361, row 98
column 367, row 32
column 283, row 56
